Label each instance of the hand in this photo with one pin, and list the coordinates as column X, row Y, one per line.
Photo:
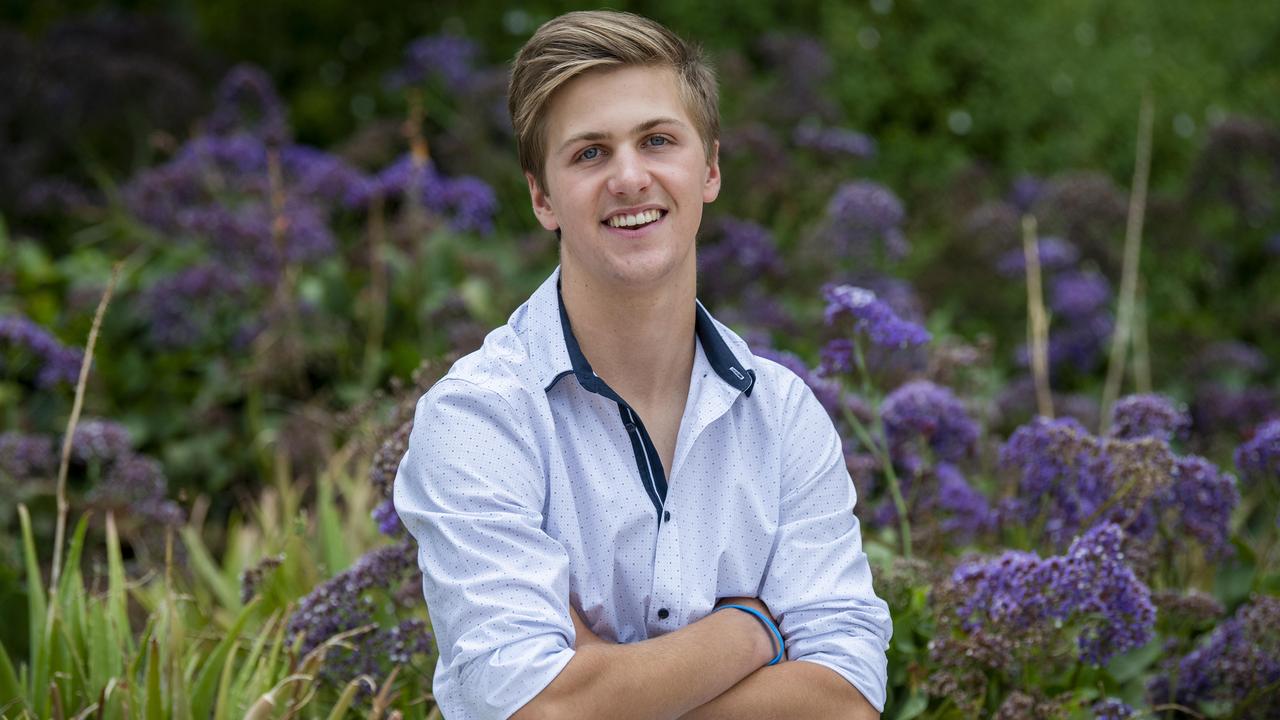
column 757, row 604
column 585, row 636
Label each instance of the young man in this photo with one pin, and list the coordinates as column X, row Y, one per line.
column 592, row 487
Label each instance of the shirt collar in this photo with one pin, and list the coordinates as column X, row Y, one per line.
column 559, row 354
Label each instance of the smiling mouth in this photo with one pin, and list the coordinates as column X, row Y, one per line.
column 634, row 222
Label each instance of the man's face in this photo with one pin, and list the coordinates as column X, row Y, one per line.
column 621, row 143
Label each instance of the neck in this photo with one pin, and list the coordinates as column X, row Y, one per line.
column 640, row 341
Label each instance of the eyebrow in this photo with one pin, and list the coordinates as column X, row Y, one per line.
column 594, row 135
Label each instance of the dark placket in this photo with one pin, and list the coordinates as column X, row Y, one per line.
column 652, row 476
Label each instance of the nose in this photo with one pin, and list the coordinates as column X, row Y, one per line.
column 630, row 175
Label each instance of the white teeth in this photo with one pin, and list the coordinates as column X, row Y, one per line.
column 643, row 218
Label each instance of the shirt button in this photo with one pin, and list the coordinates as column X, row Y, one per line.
column 663, row 613
column 666, row 516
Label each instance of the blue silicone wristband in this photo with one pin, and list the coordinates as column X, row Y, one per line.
column 777, row 636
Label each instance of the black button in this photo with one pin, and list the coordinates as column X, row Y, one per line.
column 662, row 614
column 666, row 516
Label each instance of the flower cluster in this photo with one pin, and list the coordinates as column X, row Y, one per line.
column 27, row 456
column 451, row 58
column 1055, row 255
column 1259, row 459
column 1239, row 664
column 354, row 599
column 1155, row 416
column 833, row 140
column 920, row 416
column 866, row 221
column 468, row 203
column 873, row 317
column 56, row 363
column 741, row 254
column 1090, row 587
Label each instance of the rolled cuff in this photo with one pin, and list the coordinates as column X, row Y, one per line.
column 863, row 664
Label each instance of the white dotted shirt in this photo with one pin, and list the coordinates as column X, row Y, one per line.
column 531, row 486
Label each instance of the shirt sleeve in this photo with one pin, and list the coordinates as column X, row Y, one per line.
column 818, row 581
column 471, row 491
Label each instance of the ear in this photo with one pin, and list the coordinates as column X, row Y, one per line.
column 541, row 204
column 711, row 187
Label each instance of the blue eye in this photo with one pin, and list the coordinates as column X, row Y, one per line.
column 658, row 140
column 589, row 154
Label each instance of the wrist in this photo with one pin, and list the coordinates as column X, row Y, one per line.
column 767, row 643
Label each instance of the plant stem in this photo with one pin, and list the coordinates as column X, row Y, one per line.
column 884, row 456
column 1037, row 318
column 1129, row 274
column 60, row 528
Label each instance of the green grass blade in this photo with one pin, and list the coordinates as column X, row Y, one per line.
column 11, row 696
column 37, row 612
column 228, row 591
column 154, row 706
column 117, row 591
column 333, row 540
column 207, row 682
column 347, row 697
column 222, row 708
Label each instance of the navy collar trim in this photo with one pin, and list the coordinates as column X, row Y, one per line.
column 722, row 359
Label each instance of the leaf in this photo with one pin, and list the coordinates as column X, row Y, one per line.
column 204, row 566
column 10, row 689
column 1131, row 664
column 206, row 685
column 348, row 696
column 154, row 707
column 914, row 705
column 333, row 542
column 117, row 597
column 36, row 616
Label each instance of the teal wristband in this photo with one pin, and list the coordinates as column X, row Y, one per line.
column 777, row 636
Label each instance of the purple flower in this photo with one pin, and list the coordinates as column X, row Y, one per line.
column 387, row 519
column 180, row 309
column 834, row 140
column 1024, row 192
column 468, row 203
column 1062, row 476
column 1112, row 709
column 921, row 413
column 57, row 363
column 1202, row 499
column 315, row 174
column 827, row 391
column 742, row 254
column 1090, row 586
column 1221, row 409
column 247, row 101
column 1079, row 294
column 27, row 456
column 349, row 600
column 135, row 485
column 871, row 316
column 1259, row 459
column 1229, row 356
column 97, row 440
column 1137, row 416
column 1055, row 254
column 968, row 511
column 862, row 212
column 450, row 57
column 1240, row 657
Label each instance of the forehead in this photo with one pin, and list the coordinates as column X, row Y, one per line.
column 614, row 100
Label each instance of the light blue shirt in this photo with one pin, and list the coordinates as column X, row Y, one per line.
column 530, row 485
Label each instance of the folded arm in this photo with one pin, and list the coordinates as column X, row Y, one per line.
column 818, row 582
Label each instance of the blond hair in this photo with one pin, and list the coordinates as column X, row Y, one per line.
column 576, row 42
